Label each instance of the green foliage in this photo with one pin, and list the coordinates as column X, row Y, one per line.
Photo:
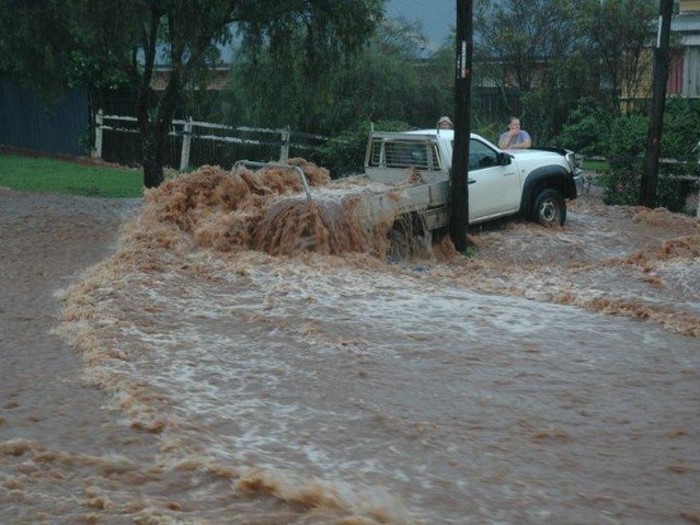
column 345, row 154
column 548, row 106
column 380, row 81
column 490, row 131
column 617, row 31
column 621, row 186
column 522, row 33
column 627, row 138
column 470, row 252
column 593, row 129
column 594, row 165
column 545, row 56
column 587, row 129
column 331, row 68
column 81, row 43
column 437, row 97
column 46, row 175
column 681, row 134
column 621, row 139
column 34, row 62
column 535, row 52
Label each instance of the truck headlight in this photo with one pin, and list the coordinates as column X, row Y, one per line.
column 571, row 160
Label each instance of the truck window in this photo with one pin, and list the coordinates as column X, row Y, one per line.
column 481, row 156
column 403, row 154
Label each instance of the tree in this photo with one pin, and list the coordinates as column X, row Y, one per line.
column 521, row 37
column 527, row 46
column 619, row 33
column 180, row 34
column 383, row 81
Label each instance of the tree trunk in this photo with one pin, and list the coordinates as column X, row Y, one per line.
column 152, row 151
column 152, row 166
column 154, row 125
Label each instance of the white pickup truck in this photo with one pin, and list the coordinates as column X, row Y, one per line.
column 533, row 183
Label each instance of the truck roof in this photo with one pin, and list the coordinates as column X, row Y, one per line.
column 447, row 134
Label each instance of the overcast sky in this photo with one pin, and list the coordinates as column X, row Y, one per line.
column 438, row 17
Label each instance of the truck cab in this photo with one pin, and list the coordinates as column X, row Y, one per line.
column 534, row 183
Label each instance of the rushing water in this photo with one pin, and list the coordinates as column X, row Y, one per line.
column 320, row 388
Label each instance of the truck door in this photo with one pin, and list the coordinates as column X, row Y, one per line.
column 494, row 189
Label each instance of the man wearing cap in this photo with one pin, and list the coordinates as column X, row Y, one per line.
column 444, row 123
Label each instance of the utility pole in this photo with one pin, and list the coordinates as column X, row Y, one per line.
column 459, row 216
column 647, row 189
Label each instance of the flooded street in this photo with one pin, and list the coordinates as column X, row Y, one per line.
column 208, row 369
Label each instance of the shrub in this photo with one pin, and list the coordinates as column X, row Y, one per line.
column 587, row 129
column 345, row 154
column 593, row 129
column 627, row 147
column 627, row 139
column 621, row 187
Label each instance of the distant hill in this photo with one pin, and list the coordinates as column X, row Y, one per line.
column 437, row 17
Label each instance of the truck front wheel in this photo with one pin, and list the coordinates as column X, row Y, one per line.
column 549, row 209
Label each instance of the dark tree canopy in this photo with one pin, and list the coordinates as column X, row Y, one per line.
column 620, row 33
column 96, row 44
column 382, row 82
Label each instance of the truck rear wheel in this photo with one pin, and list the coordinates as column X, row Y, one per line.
column 408, row 238
column 549, row 209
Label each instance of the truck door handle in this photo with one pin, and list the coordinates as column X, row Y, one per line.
column 471, row 181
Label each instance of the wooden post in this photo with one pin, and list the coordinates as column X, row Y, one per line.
column 99, row 121
column 284, row 149
column 186, row 144
column 459, row 189
column 650, row 175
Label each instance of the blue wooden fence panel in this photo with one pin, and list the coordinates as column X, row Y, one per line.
column 26, row 123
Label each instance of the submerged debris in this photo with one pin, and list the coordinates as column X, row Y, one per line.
column 264, row 210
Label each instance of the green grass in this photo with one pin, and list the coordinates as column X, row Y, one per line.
column 594, row 165
column 48, row 175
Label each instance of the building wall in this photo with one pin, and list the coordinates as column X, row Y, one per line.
column 689, row 6
column 675, row 75
column 686, row 26
column 691, row 72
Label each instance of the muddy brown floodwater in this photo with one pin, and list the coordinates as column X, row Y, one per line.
column 224, row 352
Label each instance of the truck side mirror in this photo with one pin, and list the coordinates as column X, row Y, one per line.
column 504, row 159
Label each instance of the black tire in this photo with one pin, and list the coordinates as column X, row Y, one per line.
column 549, row 208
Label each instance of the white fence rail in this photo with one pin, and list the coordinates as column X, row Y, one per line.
column 188, row 130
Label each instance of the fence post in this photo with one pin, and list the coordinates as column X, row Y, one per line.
column 284, row 149
column 99, row 120
column 186, row 143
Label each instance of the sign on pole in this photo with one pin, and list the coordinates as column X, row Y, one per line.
column 459, row 189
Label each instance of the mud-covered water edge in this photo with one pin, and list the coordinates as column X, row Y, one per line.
column 551, row 379
column 47, row 409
